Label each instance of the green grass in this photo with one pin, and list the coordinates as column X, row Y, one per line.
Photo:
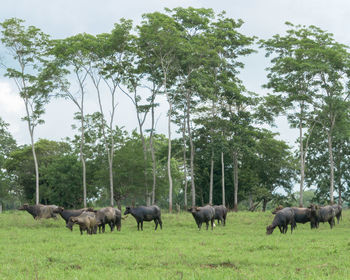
column 45, row 249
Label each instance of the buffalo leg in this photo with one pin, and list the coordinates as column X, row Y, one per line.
column 160, row 223
column 142, row 225
column 138, row 225
column 212, row 223
column 156, row 222
column 281, row 229
column 207, row 224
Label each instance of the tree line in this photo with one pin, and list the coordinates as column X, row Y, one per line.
column 192, row 57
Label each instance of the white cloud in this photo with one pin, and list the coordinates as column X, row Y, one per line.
column 10, row 102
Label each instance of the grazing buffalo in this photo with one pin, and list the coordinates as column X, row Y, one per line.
column 220, row 214
column 203, row 215
column 118, row 219
column 40, row 211
column 301, row 215
column 324, row 214
column 110, row 216
column 66, row 214
column 337, row 211
column 86, row 221
column 145, row 213
column 282, row 219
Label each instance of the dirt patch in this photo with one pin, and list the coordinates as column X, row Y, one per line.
column 74, row 266
column 223, row 264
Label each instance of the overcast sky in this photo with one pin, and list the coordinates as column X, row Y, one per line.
column 65, row 18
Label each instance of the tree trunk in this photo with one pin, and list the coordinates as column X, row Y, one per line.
column 339, row 182
column 211, row 177
column 185, row 161
column 212, row 156
column 152, row 155
column 36, row 170
column 223, row 178
column 302, row 161
column 36, row 167
column 193, row 189
column 331, row 164
column 169, row 156
column 82, row 141
column 235, row 181
column 264, row 205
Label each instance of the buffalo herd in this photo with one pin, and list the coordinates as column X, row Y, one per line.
column 313, row 214
column 90, row 220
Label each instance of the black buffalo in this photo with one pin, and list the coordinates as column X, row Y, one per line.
column 282, row 219
column 220, row 214
column 337, row 211
column 324, row 214
column 202, row 215
column 145, row 213
column 302, row 215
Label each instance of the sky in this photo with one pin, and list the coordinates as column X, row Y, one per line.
column 63, row 18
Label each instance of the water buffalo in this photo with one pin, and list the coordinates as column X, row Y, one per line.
column 220, row 214
column 338, row 211
column 324, row 214
column 282, row 219
column 301, row 215
column 118, row 219
column 203, row 215
column 66, row 214
column 145, row 213
column 86, row 221
column 40, row 211
column 110, row 216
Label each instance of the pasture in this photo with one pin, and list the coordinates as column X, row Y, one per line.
column 45, row 249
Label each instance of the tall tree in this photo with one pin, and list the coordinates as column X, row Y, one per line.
column 160, row 34
column 72, row 54
column 292, row 78
column 32, row 72
column 109, row 57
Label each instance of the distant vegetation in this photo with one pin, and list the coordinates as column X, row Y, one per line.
column 192, row 57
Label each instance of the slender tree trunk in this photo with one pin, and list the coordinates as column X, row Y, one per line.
column 109, row 150
column 302, row 161
column 36, row 166
column 235, row 181
column 193, row 188
column 211, row 177
column 36, row 169
column 169, row 156
column 185, row 161
column 152, row 150
column 82, row 158
column 212, row 157
column 223, row 178
column 264, row 205
column 339, row 180
column 331, row 164
column 152, row 155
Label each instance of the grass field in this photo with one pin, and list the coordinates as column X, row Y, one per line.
column 45, row 249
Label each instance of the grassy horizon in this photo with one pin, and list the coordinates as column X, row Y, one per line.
column 45, row 249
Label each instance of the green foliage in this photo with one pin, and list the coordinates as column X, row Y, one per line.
column 8, row 187
column 60, row 180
